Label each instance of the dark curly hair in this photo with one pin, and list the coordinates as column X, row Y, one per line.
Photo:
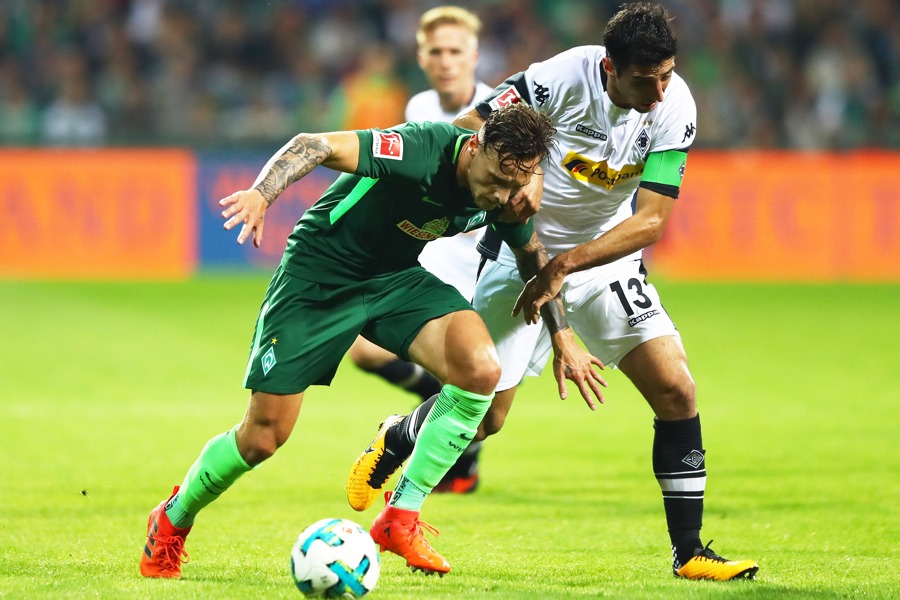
column 518, row 134
column 639, row 35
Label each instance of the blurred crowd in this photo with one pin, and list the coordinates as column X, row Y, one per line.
column 803, row 74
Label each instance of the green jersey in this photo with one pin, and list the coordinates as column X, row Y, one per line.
column 403, row 195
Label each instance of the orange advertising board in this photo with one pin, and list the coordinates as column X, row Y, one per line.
column 98, row 214
column 785, row 216
column 742, row 216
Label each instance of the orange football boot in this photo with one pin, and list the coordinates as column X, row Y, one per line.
column 164, row 551
column 399, row 531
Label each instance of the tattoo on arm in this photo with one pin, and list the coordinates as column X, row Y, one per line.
column 297, row 158
column 530, row 258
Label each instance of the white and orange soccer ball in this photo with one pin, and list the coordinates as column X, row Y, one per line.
column 335, row 558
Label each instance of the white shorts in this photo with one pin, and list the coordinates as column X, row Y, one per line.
column 612, row 309
column 455, row 260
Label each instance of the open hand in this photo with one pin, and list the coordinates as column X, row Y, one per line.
column 247, row 207
column 572, row 362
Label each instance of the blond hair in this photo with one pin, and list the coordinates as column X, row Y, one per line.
column 448, row 15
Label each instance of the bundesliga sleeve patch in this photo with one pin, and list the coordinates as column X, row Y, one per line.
column 387, row 144
column 508, row 96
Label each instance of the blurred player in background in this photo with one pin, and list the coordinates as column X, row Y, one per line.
column 447, row 40
column 350, row 267
column 624, row 123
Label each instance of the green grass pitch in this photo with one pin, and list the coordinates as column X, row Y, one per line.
column 109, row 391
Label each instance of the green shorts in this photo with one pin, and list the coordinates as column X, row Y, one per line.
column 304, row 328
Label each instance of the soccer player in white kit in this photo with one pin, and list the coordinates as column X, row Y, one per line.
column 447, row 40
column 625, row 121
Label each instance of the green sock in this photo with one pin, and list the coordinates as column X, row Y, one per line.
column 218, row 466
column 408, row 495
column 447, row 432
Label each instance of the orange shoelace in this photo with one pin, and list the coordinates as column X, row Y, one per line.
column 416, row 533
column 171, row 551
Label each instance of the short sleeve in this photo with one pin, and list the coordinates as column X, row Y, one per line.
column 404, row 150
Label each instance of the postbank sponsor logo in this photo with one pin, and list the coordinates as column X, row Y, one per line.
column 598, row 173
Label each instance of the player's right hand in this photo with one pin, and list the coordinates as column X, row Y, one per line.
column 247, row 207
column 572, row 362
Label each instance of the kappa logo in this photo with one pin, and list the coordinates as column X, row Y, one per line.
column 688, row 131
column 508, row 96
column 541, row 93
column 268, row 361
column 591, row 132
column 387, row 144
column 694, row 459
column 642, row 317
column 431, row 230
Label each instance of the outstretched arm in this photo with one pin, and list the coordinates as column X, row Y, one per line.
column 570, row 360
column 638, row 231
column 306, row 151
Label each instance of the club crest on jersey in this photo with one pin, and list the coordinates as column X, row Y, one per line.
column 598, row 173
column 429, row 231
column 387, row 144
column 508, row 96
column 475, row 221
column 642, row 143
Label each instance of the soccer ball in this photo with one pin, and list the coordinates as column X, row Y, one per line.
column 335, row 558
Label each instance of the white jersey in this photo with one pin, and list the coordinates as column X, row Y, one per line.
column 595, row 165
column 592, row 173
column 426, row 106
column 453, row 259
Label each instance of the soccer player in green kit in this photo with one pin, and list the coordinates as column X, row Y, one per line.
column 351, row 268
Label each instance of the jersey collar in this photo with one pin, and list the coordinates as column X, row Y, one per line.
column 460, row 142
column 615, row 114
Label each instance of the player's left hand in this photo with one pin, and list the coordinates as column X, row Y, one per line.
column 247, row 207
column 538, row 291
column 525, row 203
column 572, row 362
